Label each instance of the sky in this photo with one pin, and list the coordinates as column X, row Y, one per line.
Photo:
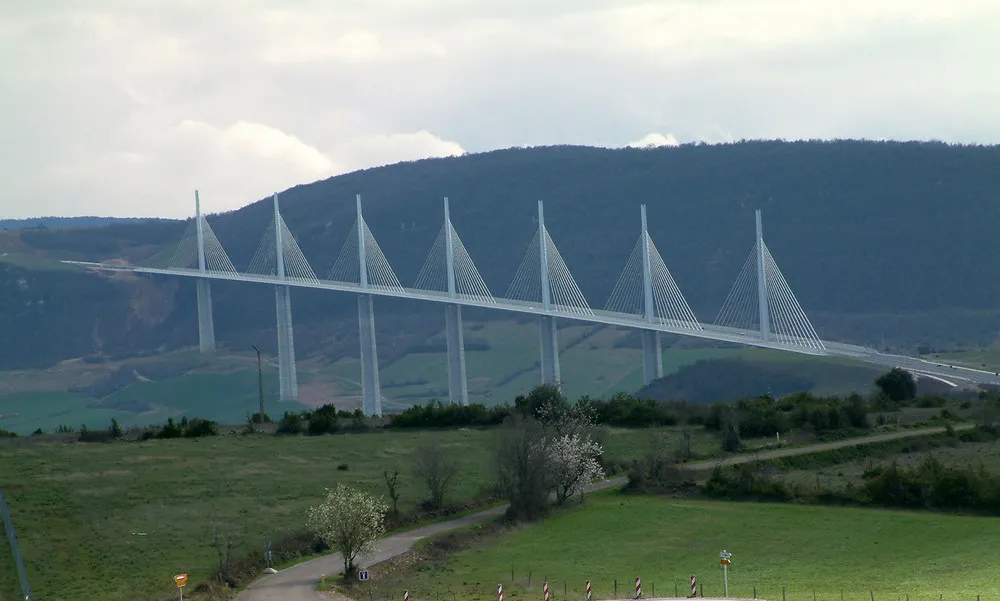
column 125, row 107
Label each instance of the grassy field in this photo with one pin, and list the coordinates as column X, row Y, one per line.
column 806, row 550
column 79, row 508
column 971, row 454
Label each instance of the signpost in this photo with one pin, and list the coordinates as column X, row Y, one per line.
column 724, row 560
column 267, row 553
column 180, row 580
column 363, row 575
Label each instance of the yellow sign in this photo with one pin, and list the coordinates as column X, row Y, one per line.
column 181, row 579
column 724, row 562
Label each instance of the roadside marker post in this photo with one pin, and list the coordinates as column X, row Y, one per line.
column 589, row 594
column 724, row 559
column 638, row 588
column 180, row 580
column 694, row 588
column 545, row 590
column 499, row 592
column 406, row 595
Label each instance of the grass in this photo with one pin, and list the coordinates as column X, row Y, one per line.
column 805, row 549
column 77, row 507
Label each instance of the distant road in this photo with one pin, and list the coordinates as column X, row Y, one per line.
column 298, row 583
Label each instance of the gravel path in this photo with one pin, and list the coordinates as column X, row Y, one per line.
column 298, row 583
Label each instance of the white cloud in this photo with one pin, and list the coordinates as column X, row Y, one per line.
column 655, row 140
column 124, row 108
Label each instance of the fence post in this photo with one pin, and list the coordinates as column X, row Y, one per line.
column 675, row 589
column 616, row 588
column 701, row 589
column 529, row 578
column 755, row 591
column 872, row 594
column 782, row 593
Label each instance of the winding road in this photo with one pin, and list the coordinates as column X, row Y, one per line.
column 298, row 583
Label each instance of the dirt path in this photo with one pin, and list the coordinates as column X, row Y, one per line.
column 298, row 583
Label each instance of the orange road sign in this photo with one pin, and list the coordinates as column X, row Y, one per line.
column 181, row 579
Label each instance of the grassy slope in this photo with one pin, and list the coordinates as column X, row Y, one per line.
column 76, row 506
column 804, row 549
column 225, row 388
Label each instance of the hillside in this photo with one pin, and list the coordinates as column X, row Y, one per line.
column 884, row 244
column 65, row 222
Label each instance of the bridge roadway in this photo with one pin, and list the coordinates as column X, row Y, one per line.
column 790, row 344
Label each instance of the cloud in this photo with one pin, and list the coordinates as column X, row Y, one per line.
column 654, row 140
column 125, row 108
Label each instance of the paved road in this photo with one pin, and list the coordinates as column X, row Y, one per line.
column 298, row 583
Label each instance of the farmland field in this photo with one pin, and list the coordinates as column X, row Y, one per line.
column 115, row 521
column 807, row 550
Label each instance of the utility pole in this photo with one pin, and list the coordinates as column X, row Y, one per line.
column 260, row 385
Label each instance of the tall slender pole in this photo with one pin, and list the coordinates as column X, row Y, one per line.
column 449, row 249
column 647, row 275
column 765, row 323
column 362, row 259
column 260, row 383
column 279, row 246
column 543, row 256
column 201, row 232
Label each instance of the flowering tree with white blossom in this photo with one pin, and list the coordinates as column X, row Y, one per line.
column 573, row 464
column 350, row 521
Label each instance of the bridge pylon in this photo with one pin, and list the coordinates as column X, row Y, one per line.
column 544, row 279
column 288, row 381
column 646, row 290
column 762, row 301
column 450, row 270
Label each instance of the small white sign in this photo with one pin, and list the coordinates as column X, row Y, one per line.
column 363, row 575
column 725, row 555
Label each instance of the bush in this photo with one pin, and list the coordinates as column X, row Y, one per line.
column 291, row 423
column 746, row 481
column 7, row 434
column 323, row 421
column 198, row 427
column 171, row 430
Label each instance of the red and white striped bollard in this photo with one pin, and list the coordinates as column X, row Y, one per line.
column 545, row 590
column 638, row 588
column 589, row 594
column 694, row 588
column 499, row 592
column 406, row 595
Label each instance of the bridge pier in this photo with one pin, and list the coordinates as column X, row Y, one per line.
column 371, row 391
column 548, row 331
column 652, row 356
column 206, row 322
column 287, row 377
column 458, row 386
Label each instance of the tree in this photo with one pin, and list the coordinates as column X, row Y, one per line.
column 544, row 399
column 115, row 431
column 573, row 463
column 392, row 483
column 522, row 466
column 437, row 470
column 350, row 521
column 897, row 384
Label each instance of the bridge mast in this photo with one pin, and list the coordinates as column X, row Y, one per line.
column 206, row 322
column 287, row 377
column 652, row 354
column 548, row 330
column 458, row 386
column 765, row 322
column 371, row 391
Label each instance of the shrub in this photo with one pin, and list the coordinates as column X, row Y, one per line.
column 171, row 430
column 291, row 423
column 323, row 421
column 198, row 427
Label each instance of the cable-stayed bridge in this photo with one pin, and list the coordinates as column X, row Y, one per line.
column 761, row 310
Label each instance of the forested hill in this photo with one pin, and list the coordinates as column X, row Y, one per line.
column 876, row 238
column 64, row 222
